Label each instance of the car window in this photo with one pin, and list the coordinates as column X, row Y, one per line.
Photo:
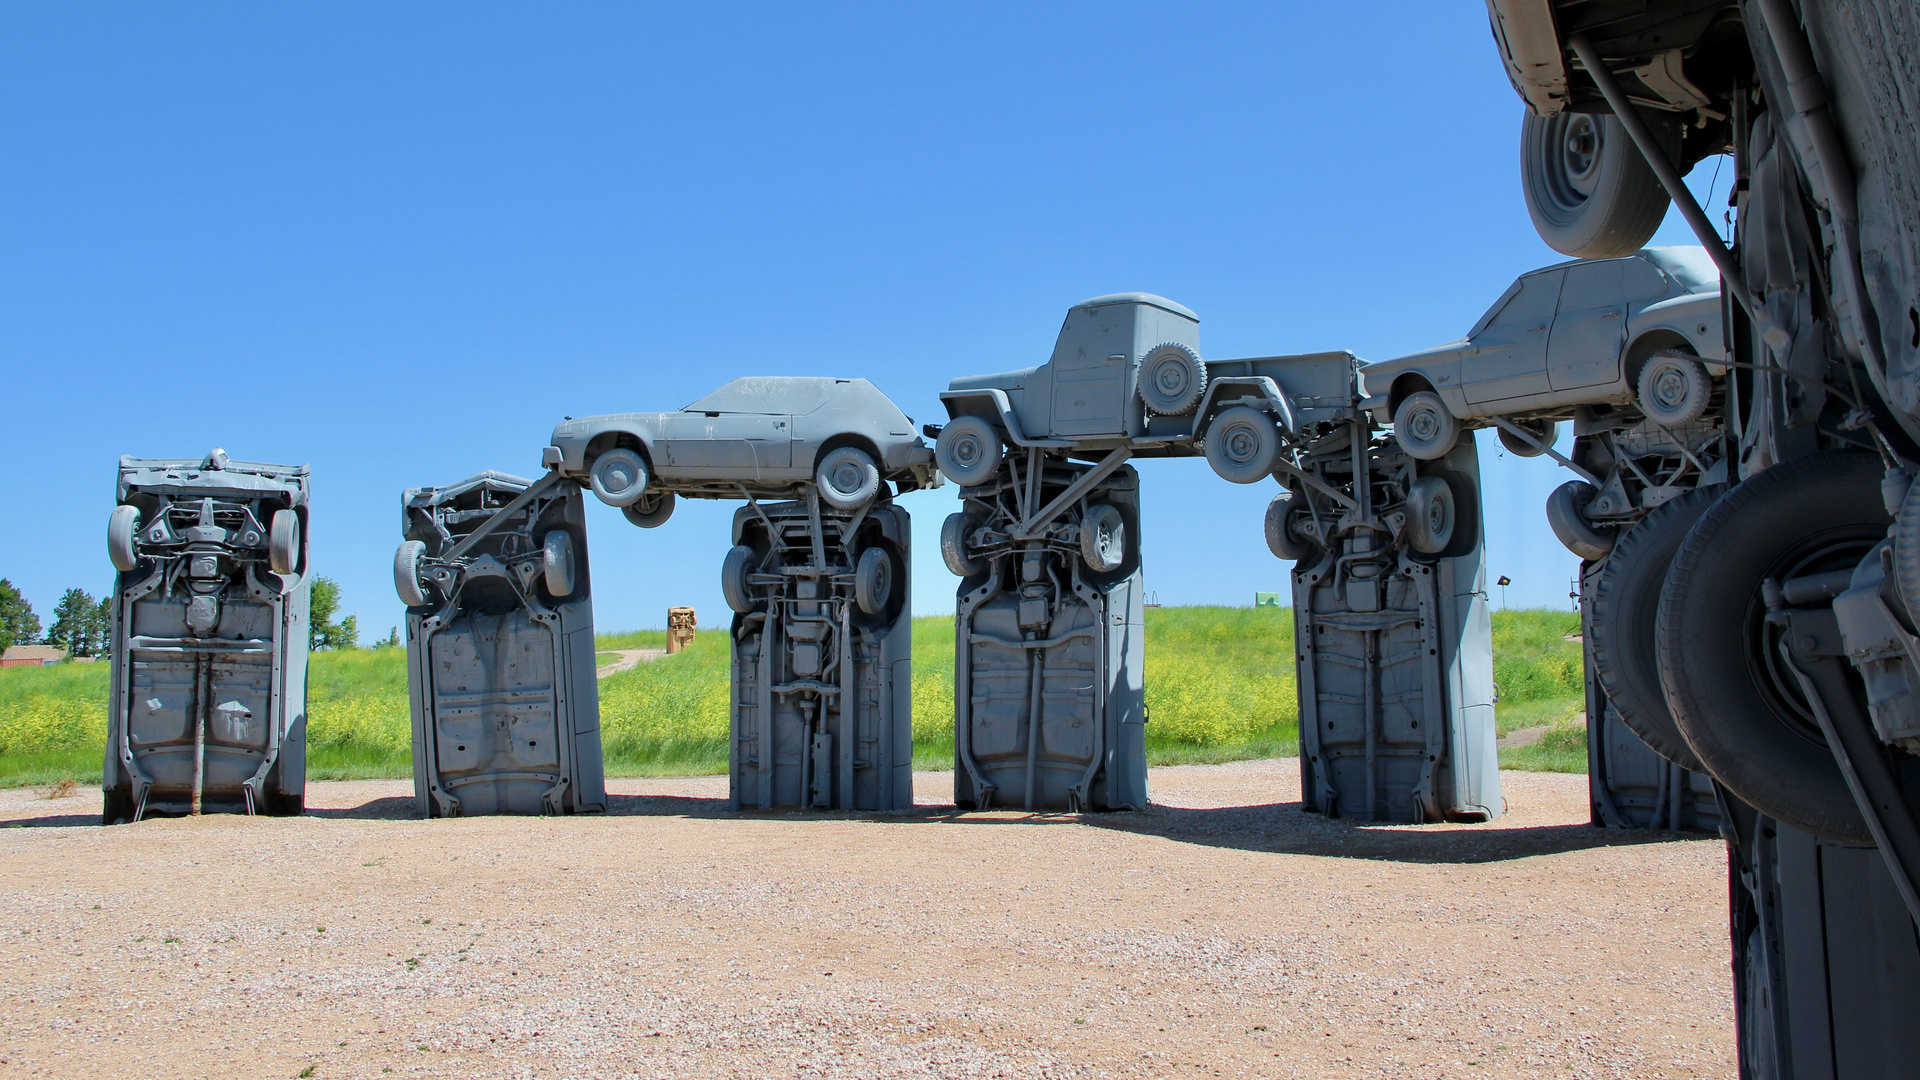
column 1640, row 280
column 1593, row 285
column 1533, row 303
column 766, row 394
column 1692, row 267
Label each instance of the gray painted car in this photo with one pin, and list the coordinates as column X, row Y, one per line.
column 1644, row 331
column 765, row 436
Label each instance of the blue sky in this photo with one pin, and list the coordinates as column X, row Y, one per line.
column 399, row 242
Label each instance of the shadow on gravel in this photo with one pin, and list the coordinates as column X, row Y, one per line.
column 52, row 821
column 397, row 808
column 1285, row 828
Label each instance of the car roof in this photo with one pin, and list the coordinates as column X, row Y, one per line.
column 774, row 394
column 1160, row 302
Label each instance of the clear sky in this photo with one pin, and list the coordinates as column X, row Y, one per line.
column 400, row 241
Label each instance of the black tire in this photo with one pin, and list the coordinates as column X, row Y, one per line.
column 1430, row 515
column 1103, row 538
column 873, row 581
column 1242, row 444
column 733, row 578
column 1570, row 525
column 1425, row 427
column 556, row 563
column 1590, row 193
column 651, row 511
column 1172, row 378
column 1626, row 608
column 406, row 574
column 122, row 527
column 968, row 450
column 847, row 478
column 1720, row 666
column 953, row 547
column 1279, row 528
column 283, row 542
column 1547, row 431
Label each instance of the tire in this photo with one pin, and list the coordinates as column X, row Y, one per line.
column 1570, row 525
column 122, row 526
column 283, row 542
column 406, row 574
column 1103, row 538
column 1720, row 665
column 1430, row 515
column 1426, row 428
column 968, row 451
column 1673, row 389
column 873, row 581
column 847, row 477
column 556, row 564
column 1626, row 608
column 1242, row 443
column 1590, row 193
column 650, row 513
column 1279, row 529
column 1547, row 431
column 953, row 547
column 733, row 578
column 1172, row 378
column 618, row 477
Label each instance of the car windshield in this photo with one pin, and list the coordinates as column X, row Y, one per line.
column 766, row 394
column 1692, row 267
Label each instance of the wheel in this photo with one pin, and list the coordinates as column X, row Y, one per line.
column 1430, row 515
column 1673, row 389
column 968, row 451
column 117, row 807
column 1172, row 378
column 953, row 547
column 556, row 563
column 1103, row 538
column 1626, row 605
column 406, row 574
column 618, row 477
column 873, row 581
column 1242, row 443
column 1590, row 193
column 1567, row 518
column 1738, row 706
column 1547, row 431
column 283, row 542
column 1279, row 526
column 847, row 477
column 651, row 511
column 733, row 577
column 122, row 527
column 1425, row 426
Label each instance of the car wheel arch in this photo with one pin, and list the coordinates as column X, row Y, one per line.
column 1405, row 385
column 1645, row 344
column 617, row 440
column 858, row 442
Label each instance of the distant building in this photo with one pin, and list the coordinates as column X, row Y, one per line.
column 31, row 655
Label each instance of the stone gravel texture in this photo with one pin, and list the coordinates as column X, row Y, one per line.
column 1224, row 932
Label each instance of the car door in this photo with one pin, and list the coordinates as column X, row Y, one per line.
column 724, row 446
column 1089, row 393
column 1508, row 358
column 1590, row 326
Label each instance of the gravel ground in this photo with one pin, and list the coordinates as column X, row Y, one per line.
column 1221, row 933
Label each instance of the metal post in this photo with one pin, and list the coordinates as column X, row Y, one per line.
column 203, row 694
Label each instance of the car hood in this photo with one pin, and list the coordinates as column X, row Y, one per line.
column 1005, row 380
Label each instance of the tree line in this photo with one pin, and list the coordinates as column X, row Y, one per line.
column 81, row 625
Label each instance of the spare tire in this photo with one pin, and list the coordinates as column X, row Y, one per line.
column 1589, row 191
column 1626, row 608
column 1566, row 518
column 406, row 574
column 968, row 450
column 1740, row 710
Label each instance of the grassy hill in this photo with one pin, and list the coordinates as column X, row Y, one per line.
column 1220, row 687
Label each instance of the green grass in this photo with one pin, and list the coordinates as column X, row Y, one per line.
column 1220, row 687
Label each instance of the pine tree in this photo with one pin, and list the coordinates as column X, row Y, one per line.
column 18, row 624
column 72, row 627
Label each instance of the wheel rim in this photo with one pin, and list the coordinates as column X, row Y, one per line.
column 1423, row 425
column 846, row 477
column 617, row 476
column 967, row 450
column 1439, row 516
column 1171, row 379
column 1242, row 444
column 1572, row 145
column 1671, row 387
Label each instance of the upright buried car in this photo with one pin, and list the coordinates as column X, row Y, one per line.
column 761, row 436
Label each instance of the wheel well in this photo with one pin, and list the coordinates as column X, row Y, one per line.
column 858, row 442
column 616, row 440
column 1404, row 386
column 1646, row 345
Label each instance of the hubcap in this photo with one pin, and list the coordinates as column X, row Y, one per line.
column 617, row 477
column 846, row 478
column 1242, row 444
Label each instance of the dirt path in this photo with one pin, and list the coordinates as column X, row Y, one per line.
column 1221, row 933
column 629, row 659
